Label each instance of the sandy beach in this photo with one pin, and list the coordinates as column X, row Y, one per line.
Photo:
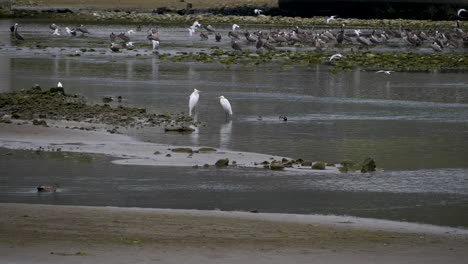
column 75, row 234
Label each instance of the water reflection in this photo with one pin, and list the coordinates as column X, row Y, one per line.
column 225, row 132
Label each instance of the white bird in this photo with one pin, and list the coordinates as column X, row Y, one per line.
column 357, row 32
column 59, row 85
column 386, row 72
column 226, row 106
column 330, row 19
column 155, row 44
column 335, row 56
column 234, row 27
column 129, row 44
column 193, row 100
column 461, row 10
column 258, row 11
column 195, row 25
column 56, row 32
column 191, row 31
column 131, row 31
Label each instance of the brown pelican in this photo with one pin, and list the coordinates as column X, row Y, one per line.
column 112, row 37
column 53, row 26
column 123, row 37
column 233, row 35
column 260, row 43
column 436, row 46
column 210, row 28
column 17, row 35
column 203, row 36
column 249, row 37
column 268, row 46
column 218, row 36
column 235, row 45
column 82, row 29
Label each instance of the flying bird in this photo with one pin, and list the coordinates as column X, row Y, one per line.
column 460, row 10
column 258, row 11
column 56, row 32
column 226, row 106
column 193, row 101
column 386, row 72
column 335, row 56
column 330, row 19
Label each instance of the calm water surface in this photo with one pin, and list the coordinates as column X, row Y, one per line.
column 414, row 124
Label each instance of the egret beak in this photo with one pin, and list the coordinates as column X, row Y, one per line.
column 218, row 97
column 200, row 91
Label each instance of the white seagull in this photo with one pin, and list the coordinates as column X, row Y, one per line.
column 193, row 100
column 386, row 72
column 56, row 32
column 461, row 10
column 155, row 44
column 330, row 19
column 258, row 11
column 234, row 27
column 335, row 56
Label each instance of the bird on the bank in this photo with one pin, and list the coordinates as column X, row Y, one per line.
column 226, row 106
column 386, row 72
column 234, row 27
column 330, row 19
column 59, row 85
column 218, row 37
column 123, row 37
column 209, row 28
column 191, row 31
column 115, row 47
column 460, row 10
column 155, row 44
column 195, row 25
column 193, row 101
column 71, row 32
column 335, row 56
column 53, row 27
column 235, row 45
column 56, row 32
column 17, row 35
column 82, row 29
column 257, row 11
column 436, row 47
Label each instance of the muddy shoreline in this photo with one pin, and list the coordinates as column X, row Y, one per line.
column 54, row 234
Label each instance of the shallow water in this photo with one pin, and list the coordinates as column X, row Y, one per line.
column 414, row 124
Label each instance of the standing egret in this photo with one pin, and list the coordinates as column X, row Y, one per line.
column 59, row 85
column 226, row 106
column 193, row 100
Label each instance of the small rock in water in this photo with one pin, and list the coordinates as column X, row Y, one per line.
column 39, row 122
column 319, row 165
column 276, row 165
column 368, row 165
column 46, row 188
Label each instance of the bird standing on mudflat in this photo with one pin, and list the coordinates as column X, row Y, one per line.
column 226, row 106
column 17, row 35
column 193, row 101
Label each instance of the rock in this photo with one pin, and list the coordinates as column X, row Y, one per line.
column 178, row 128
column 276, row 165
column 57, row 90
column 107, row 99
column 288, row 164
column 319, row 165
column 157, row 152
column 206, row 166
column 206, row 149
column 222, row 163
column 306, row 163
column 168, row 155
column 39, row 122
column 265, row 163
column 367, row 165
column 182, row 150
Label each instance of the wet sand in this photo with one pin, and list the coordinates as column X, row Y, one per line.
column 126, row 149
column 75, row 234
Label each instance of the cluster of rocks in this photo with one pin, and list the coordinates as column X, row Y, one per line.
column 367, row 165
column 36, row 104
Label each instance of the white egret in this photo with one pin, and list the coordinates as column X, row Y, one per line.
column 59, row 85
column 234, row 27
column 226, row 106
column 330, row 19
column 335, row 56
column 195, row 25
column 56, row 32
column 193, row 100
column 461, row 10
column 258, row 11
column 191, row 31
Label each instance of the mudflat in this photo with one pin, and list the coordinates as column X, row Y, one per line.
column 75, row 234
